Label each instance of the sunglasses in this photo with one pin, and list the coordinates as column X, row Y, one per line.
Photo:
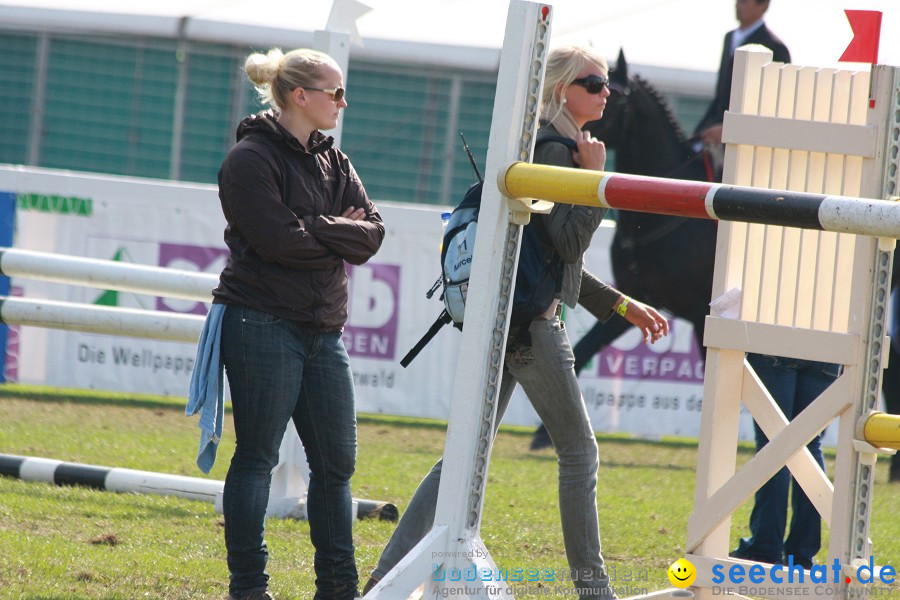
column 592, row 84
column 337, row 94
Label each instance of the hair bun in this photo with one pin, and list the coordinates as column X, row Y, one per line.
column 261, row 68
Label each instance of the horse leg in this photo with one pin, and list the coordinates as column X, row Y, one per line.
column 598, row 337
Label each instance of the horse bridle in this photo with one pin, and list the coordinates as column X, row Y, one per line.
column 703, row 154
column 627, row 116
column 627, row 110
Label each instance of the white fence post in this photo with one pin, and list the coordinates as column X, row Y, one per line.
column 455, row 533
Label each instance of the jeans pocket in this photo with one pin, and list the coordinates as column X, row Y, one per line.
column 251, row 315
column 763, row 361
column 832, row 370
column 520, row 354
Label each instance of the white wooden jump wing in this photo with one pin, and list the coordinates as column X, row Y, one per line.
column 803, row 294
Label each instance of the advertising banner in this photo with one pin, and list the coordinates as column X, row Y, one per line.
column 649, row 391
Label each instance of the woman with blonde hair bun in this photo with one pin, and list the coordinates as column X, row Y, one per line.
column 297, row 213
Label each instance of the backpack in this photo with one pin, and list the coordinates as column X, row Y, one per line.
column 538, row 277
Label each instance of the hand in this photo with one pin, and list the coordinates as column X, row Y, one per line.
column 712, row 136
column 591, row 153
column 653, row 325
column 354, row 214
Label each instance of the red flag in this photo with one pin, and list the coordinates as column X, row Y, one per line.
column 866, row 25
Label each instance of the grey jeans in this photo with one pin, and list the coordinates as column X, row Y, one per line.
column 545, row 371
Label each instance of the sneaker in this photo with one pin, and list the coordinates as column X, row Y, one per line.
column 257, row 595
column 372, row 582
column 806, row 563
column 743, row 554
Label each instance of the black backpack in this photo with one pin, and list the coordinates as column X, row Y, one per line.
column 538, row 277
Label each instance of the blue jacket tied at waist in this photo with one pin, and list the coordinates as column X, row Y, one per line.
column 205, row 393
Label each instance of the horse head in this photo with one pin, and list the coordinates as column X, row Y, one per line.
column 613, row 128
column 663, row 260
column 640, row 126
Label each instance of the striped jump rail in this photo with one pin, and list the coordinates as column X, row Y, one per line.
column 702, row 200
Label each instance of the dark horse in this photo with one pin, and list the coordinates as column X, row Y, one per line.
column 664, row 261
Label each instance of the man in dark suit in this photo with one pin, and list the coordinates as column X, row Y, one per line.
column 752, row 30
column 794, row 384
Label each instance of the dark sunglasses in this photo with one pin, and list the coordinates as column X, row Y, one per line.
column 592, row 84
column 337, row 94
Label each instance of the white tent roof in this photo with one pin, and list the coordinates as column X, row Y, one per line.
column 680, row 38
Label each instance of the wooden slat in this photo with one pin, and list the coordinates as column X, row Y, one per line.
column 717, row 448
column 823, row 295
column 778, row 340
column 793, row 93
column 806, row 277
column 708, row 516
column 752, row 277
column 770, row 290
column 810, row 136
column 772, row 421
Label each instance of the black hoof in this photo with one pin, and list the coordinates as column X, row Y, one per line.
column 541, row 439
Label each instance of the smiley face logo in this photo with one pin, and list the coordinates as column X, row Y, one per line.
column 682, row 573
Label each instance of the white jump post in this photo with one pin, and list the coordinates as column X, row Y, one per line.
column 287, row 498
column 809, row 295
column 479, row 369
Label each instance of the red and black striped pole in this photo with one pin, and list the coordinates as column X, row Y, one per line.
column 702, row 200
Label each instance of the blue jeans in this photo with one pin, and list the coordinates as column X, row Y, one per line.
column 279, row 371
column 794, row 384
column 545, row 371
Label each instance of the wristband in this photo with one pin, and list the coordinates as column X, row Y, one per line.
column 623, row 306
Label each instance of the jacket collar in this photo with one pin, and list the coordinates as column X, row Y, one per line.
column 266, row 123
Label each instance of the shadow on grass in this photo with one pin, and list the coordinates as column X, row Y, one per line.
column 75, row 396
column 551, row 457
column 78, row 396
column 140, row 507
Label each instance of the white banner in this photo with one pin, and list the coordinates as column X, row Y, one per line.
column 648, row 391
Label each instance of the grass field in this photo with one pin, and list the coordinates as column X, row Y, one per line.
column 77, row 543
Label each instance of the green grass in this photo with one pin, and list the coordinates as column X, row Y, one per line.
column 78, row 543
